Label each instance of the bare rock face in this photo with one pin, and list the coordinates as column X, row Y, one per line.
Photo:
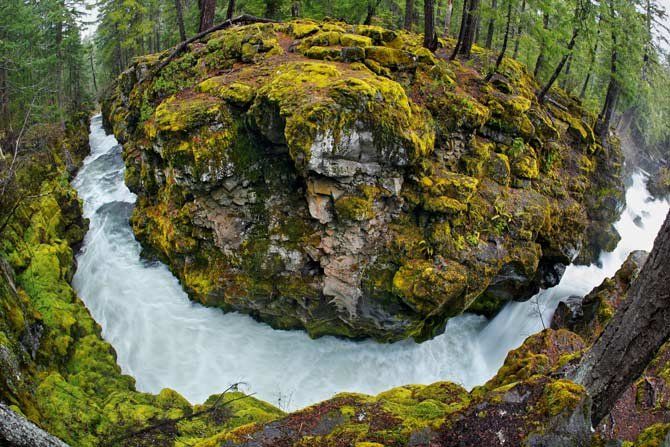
column 344, row 180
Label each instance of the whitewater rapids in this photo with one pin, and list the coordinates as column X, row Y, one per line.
column 164, row 340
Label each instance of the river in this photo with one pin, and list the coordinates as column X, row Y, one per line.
column 164, row 340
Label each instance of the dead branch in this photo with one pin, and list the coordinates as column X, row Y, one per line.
column 169, row 422
column 244, row 19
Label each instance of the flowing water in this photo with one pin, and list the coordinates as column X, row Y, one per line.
column 164, row 340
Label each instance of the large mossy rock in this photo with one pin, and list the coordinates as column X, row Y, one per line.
column 344, row 180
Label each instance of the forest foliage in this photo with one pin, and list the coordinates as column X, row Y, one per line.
column 610, row 52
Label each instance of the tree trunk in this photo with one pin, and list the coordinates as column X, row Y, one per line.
column 409, row 13
column 566, row 76
column 518, row 30
column 612, row 96
column 5, row 119
column 633, row 336
column 589, row 73
column 207, row 11
column 468, row 28
column 461, row 31
column 491, row 26
column 429, row 35
column 180, row 20
column 295, row 9
column 447, row 17
column 649, row 45
column 505, row 42
column 59, row 70
column 95, row 83
column 370, row 13
column 561, row 64
column 230, row 12
column 540, row 57
column 273, row 8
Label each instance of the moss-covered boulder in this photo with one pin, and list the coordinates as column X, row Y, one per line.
column 344, row 180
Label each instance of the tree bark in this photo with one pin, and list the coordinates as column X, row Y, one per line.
column 518, row 30
column 273, row 8
column 295, row 9
column 461, row 31
column 612, row 96
column 589, row 73
column 560, row 65
column 539, row 62
column 95, row 82
column 371, row 11
column 505, row 42
column 180, row 20
column 207, row 11
column 633, row 336
column 231, row 9
column 447, row 17
column 409, row 14
column 491, row 26
column 648, row 47
column 566, row 76
column 5, row 118
column 429, row 35
column 468, row 29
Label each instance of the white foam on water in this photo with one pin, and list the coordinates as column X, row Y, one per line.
column 165, row 340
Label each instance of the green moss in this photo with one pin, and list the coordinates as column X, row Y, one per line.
column 562, row 395
column 323, row 53
column 459, row 110
column 319, row 100
column 354, row 208
column 355, row 40
column 444, row 205
column 249, row 43
column 499, row 169
column 457, row 186
column 526, row 167
column 390, row 57
column 301, row 29
column 426, row 287
column 378, row 34
column 653, row 436
column 235, row 93
column 180, row 114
